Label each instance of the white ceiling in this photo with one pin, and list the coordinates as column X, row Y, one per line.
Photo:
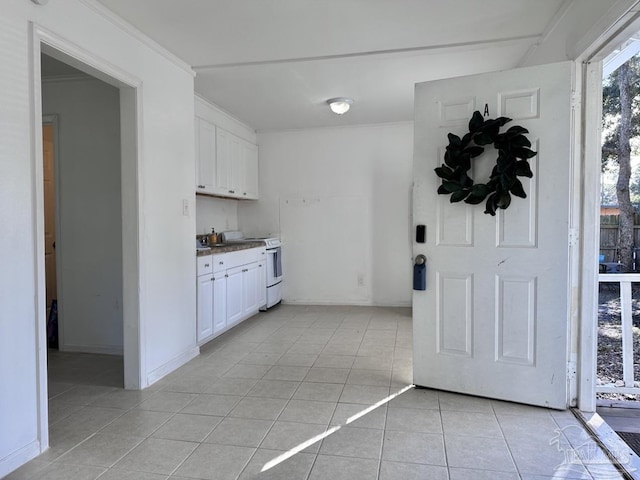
column 274, row 63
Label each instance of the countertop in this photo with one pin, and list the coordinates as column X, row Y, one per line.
column 228, row 247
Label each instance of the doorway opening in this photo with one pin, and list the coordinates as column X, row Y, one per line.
column 82, row 235
column 618, row 339
column 87, row 202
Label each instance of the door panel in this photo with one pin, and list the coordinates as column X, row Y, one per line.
column 494, row 319
column 455, row 314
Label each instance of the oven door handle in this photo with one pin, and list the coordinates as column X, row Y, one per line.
column 277, row 262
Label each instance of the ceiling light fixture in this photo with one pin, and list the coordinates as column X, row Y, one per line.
column 340, row 105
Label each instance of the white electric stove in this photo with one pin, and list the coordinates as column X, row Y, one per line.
column 274, row 263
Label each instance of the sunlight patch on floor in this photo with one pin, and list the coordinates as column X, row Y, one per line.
column 317, row 438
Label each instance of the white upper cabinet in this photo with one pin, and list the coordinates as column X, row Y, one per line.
column 226, row 163
column 251, row 171
column 228, row 168
column 205, row 151
column 236, row 166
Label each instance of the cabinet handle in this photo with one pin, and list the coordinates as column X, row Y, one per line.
column 200, row 186
column 232, row 191
column 213, row 279
column 260, row 266
column 206, row 264
column 244, row 193
column 220, row 263
column 226, row 276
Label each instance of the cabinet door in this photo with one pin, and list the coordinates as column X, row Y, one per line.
column 219, row 302
column 238, row 167
column 262, row 284
column 205, row 156
column 234, row 295
column 223, row 162
column 205, row 307
column 250, row 177
column 250, row 281
column 227, row 167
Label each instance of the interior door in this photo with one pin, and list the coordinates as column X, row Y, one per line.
column 49, row 213
column 493, row 319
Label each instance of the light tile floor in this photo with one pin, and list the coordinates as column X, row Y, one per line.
column 299, row 393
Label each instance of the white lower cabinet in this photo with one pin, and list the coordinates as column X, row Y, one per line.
column 231, row 288
column 205, row 306
column 234, row 295
column 250, row 284
column 262, row 284
column 219, row 302
column 204, row 310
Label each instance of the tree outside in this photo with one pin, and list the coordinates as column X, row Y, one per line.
column 621, row 120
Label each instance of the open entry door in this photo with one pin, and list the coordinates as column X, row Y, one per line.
column 493, row 320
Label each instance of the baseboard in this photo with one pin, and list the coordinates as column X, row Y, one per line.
column 171, row 365
column 18, row 458
column 342, row 302
column 99, row 349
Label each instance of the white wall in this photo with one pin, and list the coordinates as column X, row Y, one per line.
column 166, row 172
column 218, row 213
column 89, row 246
column 339, row 197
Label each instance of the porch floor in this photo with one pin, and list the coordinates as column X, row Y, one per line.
column 299, row 393
column 622, row 417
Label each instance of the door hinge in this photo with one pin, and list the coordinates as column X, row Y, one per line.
column 572, row 370
column 576, row 99
column 573, row 237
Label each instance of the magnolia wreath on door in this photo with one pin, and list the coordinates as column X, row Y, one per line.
column 512, row 162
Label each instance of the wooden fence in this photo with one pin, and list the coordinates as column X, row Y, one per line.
column 609, row 236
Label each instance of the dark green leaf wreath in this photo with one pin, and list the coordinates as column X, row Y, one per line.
column 512, row 162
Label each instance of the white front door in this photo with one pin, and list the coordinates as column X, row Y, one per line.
column 493, row 319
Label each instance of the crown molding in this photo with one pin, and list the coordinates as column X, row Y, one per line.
column 137, row 34
column 224, row 113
